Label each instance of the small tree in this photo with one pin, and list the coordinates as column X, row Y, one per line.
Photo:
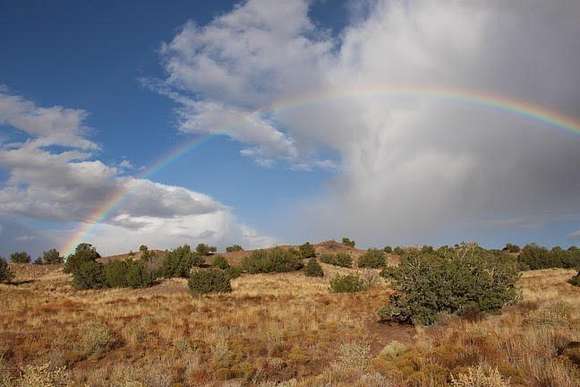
column 209, row 281
column 313, row 269
column 388, row 249
column 138, row 275
column 20, row 257
column 116, row 274
column 52, row 257
column 220, row 262
column 373, row 258
column 307, row 250
column 178, row 262
column 233, row 248
column 84, row 252
column 464, row 279
column 5, row 272
column 398, row 250
column 89, row 275
column 347, row 242
column 511, row 248
column 143, row 248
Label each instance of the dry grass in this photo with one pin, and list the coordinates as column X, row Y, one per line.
column 274, row 329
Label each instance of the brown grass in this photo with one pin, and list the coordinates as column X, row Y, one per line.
column 274, row 328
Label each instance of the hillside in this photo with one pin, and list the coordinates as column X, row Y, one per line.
column 275, row 328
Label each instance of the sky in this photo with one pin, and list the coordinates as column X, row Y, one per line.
column 261, row 122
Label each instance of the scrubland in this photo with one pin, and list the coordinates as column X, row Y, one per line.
column 282, row 329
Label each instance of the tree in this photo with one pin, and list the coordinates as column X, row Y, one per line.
column 143, row 248
column 178, row 262
column 5, row 272
column 231, row 249
column 52, row 257
column 511, row 248
column 89, row 275
column 313, row 269
column 307, row 250
column 468, row 278
column 20, row 257
column 388, row 249
column 205, row 250
column 83, row 253
column 347, row 242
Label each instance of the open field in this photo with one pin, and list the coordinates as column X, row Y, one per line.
column 276, row 328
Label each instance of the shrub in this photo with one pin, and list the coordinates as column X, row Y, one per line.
column 274, row 260
column 209, row 281
column 536, row 257
column 116, row 274
column 205, row 250
column 388, row 249
column 511, row 248
column 307, row 250
column 313, row 269
column 457, row 282
column 220, row 262
column 96, row 339
column 373, row 258
column 89, row 275
column 138, row 275
column 178, row 262
column 84, row 252
column 233, row 272
column 340, row 259
column 143, row 248
column 347, row 242
column 5, row 273
column 231, row 249
column 20, row 257
column 52, row 257
column 575, row 280
column 350, row 283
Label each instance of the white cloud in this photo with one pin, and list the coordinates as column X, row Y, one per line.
column 412, row 166
column 71, row 187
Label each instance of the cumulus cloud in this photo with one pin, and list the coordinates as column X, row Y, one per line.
column 73, row 188
column 413, row 166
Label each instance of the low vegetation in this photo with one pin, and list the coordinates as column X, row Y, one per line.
column 204, row 281
column 340, row 259
column 20, row 257
column 348, row 242
column 575, row 280
column 534, row 257
column 5, row 272
column 234, row 248
column 204, row 250
column 349, row 283
column 220, row 262
column 464, row 280
column 373, row 259
column 313, row 269
column 276, row 260
column 307, row 250
column 178, row 262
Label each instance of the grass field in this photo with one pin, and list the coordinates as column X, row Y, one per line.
column 273, row 329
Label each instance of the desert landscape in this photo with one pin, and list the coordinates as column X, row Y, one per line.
column 278, row 329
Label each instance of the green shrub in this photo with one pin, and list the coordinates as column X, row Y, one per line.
column 233, row 272
column 116, row 274
column 89, row 275
column 373, row 258
column 511, row 248
column 5, row 272
column 307, row 250
column 51, row 257
column 388, row 249
column 84, row 252
column 205, row 250
column 350, row 283
column 398, row 250
column 209, row 281
column 536, row 257
column 313, row 269
column 347, row 242
column 20, row 257
column 575, row 280
column 340, row 259
column 138, row 275
column 178, row 262
column 277, row 260
column 457, row 282
column 231, row 249
column 220, row 262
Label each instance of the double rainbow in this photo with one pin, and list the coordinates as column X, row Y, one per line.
column 528, row 110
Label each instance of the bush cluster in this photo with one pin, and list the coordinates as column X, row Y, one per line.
column 373, row 259
column 178, row 262
column 575, row 280
column 398, row 250
column 313, row 269
column 231, row 249
column 277, row 260
column 388, row 249
column 132, row 274
column 220, row 262
column 348, row 242
column 340, row 259
column 20, row 257
column 204, row 250
column 350, row 283
column 5, row 272
column 52, row 257
column 511, row 248
column 534, row 257
column 204, row 281
column 307, row 250
column 465, row 279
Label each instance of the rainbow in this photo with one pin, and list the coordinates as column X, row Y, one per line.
column 528, row 110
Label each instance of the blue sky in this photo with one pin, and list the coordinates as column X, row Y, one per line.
column 143, row 77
